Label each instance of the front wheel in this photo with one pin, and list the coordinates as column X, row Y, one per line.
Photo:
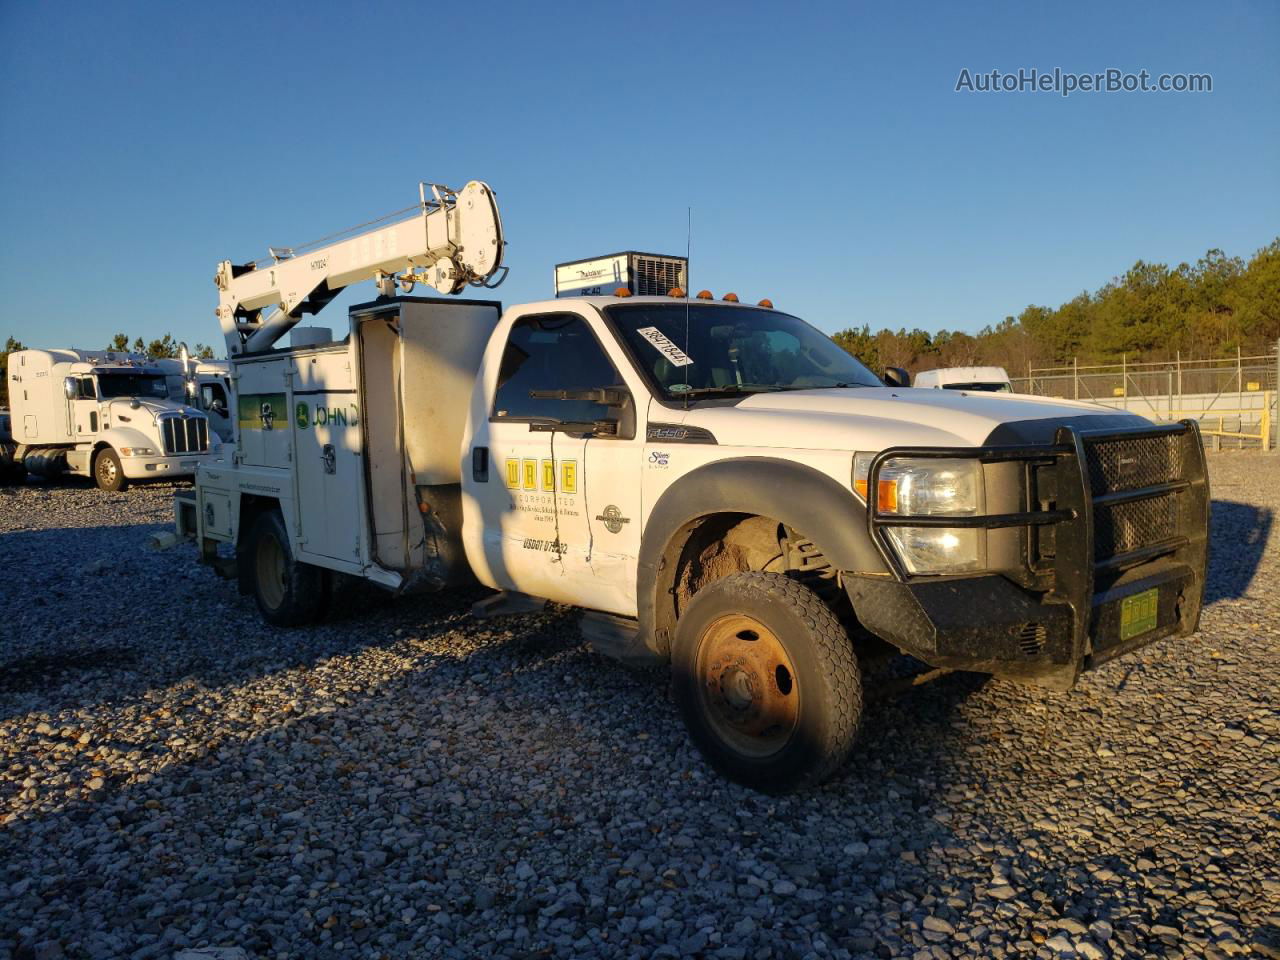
column 107, row 472
column 289, row 593
column 767, row 681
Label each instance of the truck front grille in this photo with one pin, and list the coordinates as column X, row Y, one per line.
column 1125, row 527
column 1133, row 462
column 1137, row 484
column 184, row 434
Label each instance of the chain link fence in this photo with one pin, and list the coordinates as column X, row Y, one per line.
column 1232, row 398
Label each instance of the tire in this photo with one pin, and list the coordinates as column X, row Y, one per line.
column 107, row 472
column 289, row 593
column 767, row 682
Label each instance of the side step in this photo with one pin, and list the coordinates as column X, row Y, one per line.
column 617, row 638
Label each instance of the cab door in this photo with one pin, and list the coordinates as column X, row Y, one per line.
column 85, row 410
column 595, row 455
column 524, row 490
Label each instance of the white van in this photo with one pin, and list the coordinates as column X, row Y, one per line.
column 983, row 379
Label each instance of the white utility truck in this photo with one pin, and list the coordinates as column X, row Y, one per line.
column 716, row 484
column 983, row 379
column 104, row 414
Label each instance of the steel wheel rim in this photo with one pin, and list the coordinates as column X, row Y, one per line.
column 747, row 686
column 106, row 470
column 271, row 571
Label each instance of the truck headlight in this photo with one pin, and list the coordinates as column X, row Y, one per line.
column 137, row 451
column 929, row 487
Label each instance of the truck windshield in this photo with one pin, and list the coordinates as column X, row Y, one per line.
column 146, row 385
column 723, row 351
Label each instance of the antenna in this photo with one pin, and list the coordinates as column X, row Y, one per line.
column 688, row 260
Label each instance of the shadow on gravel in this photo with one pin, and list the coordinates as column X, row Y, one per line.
column 1238, row 539
column 568, row 729
column 157, row 618
column 40, row 671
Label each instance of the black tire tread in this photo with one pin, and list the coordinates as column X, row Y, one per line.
column 304, row 600
column 121, row 483
column 837, row 659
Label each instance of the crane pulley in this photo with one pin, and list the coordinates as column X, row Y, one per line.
column 451, row 238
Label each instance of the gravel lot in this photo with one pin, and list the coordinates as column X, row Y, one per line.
column 408, row 782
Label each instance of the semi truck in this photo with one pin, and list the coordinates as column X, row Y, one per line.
column 715, row 484
column 105, row 414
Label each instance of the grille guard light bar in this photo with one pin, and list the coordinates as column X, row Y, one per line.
column 1069, row 446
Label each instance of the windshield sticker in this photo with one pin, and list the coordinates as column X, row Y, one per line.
column 679, row 388
column 662, row 343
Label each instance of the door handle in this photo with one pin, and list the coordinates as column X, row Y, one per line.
column 329, row 458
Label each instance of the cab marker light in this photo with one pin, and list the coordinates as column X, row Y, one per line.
column 676, row 292
column 705, row 295
column 622, row 292
column 766, row 303
column 730, row 298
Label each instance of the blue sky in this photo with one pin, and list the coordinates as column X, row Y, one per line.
column 828, row 160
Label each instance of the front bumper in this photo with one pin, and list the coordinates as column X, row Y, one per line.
column 1109, row 515
column 155, row 468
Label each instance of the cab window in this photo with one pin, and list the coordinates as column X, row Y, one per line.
column 556, row 352
column 213, row 397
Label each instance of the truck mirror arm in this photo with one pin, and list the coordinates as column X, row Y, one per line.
column 597, row 428
column 607, row 396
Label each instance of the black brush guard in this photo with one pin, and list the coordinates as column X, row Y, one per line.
column 1107, row 515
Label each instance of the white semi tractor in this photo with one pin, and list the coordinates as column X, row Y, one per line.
column 103, row 414
column 714, row 483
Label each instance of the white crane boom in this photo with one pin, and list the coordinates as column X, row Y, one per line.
column 453, row 239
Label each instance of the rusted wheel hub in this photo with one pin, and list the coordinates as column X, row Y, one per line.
column 748, row 685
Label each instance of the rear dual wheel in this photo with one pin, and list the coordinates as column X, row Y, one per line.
column 289, row 593
column 767, row 681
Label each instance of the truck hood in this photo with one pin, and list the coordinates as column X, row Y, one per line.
column 123, row 406
column 873, row 418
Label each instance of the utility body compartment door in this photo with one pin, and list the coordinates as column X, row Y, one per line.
column 325, row 419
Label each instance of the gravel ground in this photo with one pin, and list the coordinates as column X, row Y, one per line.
column 408, row 782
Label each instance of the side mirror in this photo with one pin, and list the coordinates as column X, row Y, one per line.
column 896, row 377
column 617, row 398
column 70, row 387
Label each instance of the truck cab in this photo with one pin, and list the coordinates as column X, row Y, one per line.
column 102, row 414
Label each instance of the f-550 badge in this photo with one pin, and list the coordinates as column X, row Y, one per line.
column 613, row 519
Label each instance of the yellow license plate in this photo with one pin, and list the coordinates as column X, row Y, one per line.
column 1139, row 613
